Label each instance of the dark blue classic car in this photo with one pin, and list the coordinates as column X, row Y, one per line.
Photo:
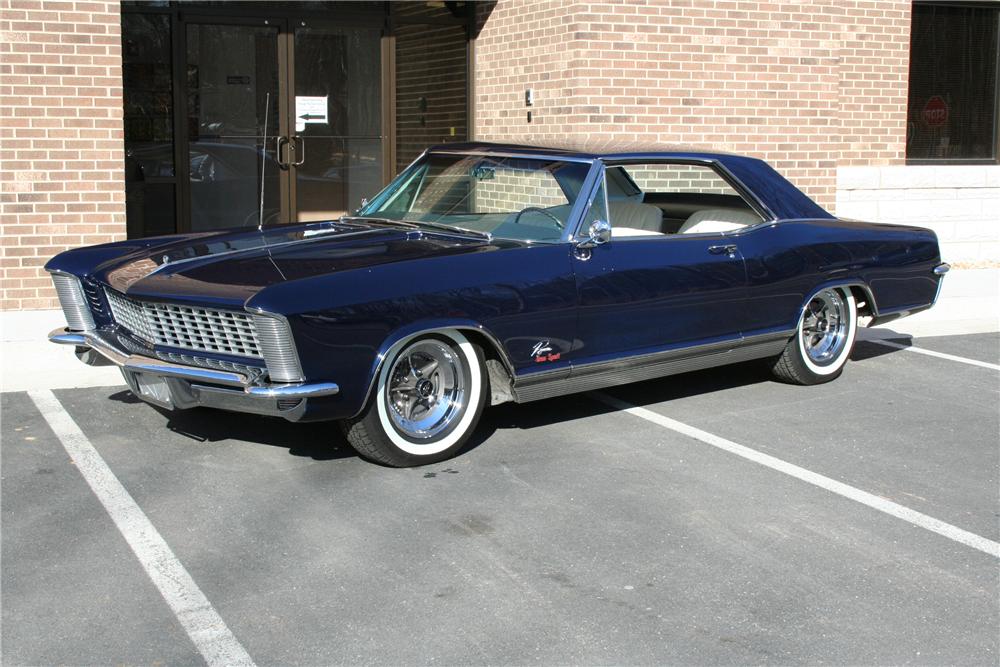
column 489, row 273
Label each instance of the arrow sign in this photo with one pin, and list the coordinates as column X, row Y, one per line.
column 310, row 110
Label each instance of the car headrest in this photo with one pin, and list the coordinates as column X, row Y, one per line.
column 714, row 220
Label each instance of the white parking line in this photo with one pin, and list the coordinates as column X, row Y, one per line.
column 875, row 502
column 932, row 353
column 195, row 613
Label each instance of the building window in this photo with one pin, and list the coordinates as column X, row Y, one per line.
column 953, row 101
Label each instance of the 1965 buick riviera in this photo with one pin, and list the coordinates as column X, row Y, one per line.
column 488, row 273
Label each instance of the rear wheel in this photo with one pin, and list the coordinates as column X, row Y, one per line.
column 428, row 399
column 823, row 341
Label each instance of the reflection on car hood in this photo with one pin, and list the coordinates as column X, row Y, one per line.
column 233, row 266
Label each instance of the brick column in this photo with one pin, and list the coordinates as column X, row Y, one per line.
column 62, row 178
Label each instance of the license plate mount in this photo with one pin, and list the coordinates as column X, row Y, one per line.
column 153, row 388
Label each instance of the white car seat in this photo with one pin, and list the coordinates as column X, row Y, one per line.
column 631, row 218
column 715, row 220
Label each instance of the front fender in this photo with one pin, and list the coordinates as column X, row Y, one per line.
column 424, row 327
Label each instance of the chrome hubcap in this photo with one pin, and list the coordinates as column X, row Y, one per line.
column 824, row 327
column 426, row 389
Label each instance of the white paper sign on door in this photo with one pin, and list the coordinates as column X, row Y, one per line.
column 309, row 110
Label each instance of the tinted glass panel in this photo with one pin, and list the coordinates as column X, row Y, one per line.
column 232, row 86
column 148, row 120
column 953, row 83
column 338, row 120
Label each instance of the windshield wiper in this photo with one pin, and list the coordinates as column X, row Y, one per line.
column 452, row 228
column 387, row 221
column 417, row 224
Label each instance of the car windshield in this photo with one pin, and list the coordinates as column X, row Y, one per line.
column 509, row 197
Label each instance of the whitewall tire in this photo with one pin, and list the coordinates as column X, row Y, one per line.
column 823, row 341
column 428, row 397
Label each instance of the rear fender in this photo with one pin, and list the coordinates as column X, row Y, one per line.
column 861, row 291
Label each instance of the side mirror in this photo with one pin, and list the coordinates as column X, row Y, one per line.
column 598, row 234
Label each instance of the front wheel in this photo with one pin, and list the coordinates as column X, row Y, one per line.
column 428, row 399
column 823, row 340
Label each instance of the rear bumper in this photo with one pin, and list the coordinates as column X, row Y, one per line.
column 178, row 386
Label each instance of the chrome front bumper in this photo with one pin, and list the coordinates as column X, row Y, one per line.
column 192, row 386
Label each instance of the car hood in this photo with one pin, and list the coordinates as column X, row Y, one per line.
column 231, row 267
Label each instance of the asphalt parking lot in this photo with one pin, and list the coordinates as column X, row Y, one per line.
column 571, row 532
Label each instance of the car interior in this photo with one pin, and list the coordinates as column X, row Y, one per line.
column 659, row 199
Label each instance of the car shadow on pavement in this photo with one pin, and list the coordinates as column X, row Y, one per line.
column 320, row 441
column 323, row 441
column 575, row 406
column 649, row 392
column 870, row 349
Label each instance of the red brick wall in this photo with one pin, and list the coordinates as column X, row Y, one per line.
column 806, row 85
column 61, row 177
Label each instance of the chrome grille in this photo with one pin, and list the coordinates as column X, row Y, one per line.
column 187, row 327
column 93, row 294
column 73, row 302
column 252, row 372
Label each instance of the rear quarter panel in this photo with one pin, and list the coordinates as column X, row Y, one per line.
column 789, row 260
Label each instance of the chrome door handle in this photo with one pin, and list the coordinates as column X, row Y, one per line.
column 278, row 143
column 302, row 157
column 728, row 249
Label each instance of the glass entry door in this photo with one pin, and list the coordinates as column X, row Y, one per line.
column 336, row 134
column 234, row 87
column 284, row 122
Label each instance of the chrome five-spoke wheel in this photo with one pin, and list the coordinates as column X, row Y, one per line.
column 426, row 389
column 429, row 394
column 824, row 338
column 824, row 327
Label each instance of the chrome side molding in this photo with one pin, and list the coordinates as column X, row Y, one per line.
column 942, row 269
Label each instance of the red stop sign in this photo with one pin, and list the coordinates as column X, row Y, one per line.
column 936, row 111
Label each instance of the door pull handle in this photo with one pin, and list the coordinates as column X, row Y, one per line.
column 300, row 160
column 729, row 249
column 278, row 143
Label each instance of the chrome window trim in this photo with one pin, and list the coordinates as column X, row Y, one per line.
column 748, row 195
column 514, row 154
column 591, row 184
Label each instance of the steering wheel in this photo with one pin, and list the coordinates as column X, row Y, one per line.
column 548, row 214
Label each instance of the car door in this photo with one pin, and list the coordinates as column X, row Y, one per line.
column 645, row 293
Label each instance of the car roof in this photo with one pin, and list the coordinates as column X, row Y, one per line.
column 589, row 149
column 772, row 190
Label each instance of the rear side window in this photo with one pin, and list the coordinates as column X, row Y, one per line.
column 666, row 198
column 675, row 178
